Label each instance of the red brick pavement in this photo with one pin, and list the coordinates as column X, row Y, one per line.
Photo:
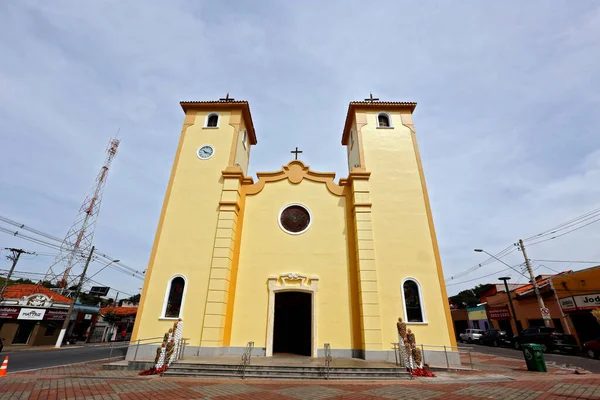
column 88, row 381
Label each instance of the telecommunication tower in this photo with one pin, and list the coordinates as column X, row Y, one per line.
column 78, row 242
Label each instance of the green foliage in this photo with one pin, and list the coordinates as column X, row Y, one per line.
column 469, row 297
column 135, row 298
column 110, row 316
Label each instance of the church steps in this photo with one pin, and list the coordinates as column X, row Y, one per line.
column 283, row 372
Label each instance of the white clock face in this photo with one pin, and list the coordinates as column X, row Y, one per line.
column 205, row 152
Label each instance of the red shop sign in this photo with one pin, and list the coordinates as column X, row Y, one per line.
column 9, row 312
column 55, row 315
column 499, row 312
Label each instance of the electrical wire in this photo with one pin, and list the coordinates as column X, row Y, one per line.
column 564, row 233
column 503, row 253
column 566, row 225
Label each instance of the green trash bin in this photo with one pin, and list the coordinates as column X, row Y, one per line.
column 534, row 357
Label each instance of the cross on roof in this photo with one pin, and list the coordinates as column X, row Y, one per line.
column 296, row 152
column 371, row 98
column 227, row 98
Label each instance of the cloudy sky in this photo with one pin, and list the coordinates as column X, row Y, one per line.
column 507, row 117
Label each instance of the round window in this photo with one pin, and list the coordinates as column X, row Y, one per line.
column 294, row 219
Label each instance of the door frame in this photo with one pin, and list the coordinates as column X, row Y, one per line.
column 291, row 282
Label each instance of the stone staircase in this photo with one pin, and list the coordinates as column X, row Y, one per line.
column 232, row 371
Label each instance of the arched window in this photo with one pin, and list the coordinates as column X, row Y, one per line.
column 212, row 121
column 174, row 298
column 383, row 120
column 245, row 138
column 413, row 301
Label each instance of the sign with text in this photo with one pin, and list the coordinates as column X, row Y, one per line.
column 583, row 302
column 545, row 313
column 499, row 312
column 9, row 312
column 567, row 304
column 55, row 315
column 32, row 314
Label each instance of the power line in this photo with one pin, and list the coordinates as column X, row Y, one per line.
column 564, row 233
column 481, row 277
column 567, row 261
column 566, row 225
column 503, row 253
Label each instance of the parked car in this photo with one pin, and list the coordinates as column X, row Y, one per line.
column 548, row 338
column 495, row 337
column 592, row 348
column 471, row 335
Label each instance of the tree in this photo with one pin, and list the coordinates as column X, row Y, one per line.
column 134, row 299
column 469, row 297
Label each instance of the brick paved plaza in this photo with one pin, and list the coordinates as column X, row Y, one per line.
column 89, row 381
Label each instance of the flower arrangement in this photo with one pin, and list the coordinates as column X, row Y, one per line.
column 422, row 372
column 154, row 371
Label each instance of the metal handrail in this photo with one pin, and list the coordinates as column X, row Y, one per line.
column 458, row 349
column 328, row 359
column 182, row 343
column 246, row 358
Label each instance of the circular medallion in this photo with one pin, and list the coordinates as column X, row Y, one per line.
column 294, row 219
column 205, row 152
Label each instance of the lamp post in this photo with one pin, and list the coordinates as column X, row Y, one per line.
column 512, row 308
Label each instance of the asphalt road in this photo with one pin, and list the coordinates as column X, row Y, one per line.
column 19, row 361
column 560, row 359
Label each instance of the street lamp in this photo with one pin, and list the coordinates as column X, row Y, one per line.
column 514, row 314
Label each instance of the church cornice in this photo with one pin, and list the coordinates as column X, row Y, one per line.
column 295, row 172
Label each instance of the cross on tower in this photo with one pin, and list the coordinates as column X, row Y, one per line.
column 371, row 98
column 227, row 98
column 296, row 152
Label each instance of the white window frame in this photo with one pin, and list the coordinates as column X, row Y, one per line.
column 299, row 205
column 421, row 302
column 245, row 139
column 210, row 115
column 164, row 307
column 389, row 117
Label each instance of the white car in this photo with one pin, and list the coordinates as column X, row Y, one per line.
column 471, row 335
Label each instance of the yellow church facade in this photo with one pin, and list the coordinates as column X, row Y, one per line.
column 295, row 259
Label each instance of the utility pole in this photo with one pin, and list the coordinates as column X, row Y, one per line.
column 63, row 330
column 16, row 253
column 512, row 308
column 534, row 283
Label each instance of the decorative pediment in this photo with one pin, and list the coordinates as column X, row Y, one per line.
column 36, row 300
column 295, row 172
column 293, row 280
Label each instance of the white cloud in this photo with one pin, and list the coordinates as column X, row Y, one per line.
column 507, row 117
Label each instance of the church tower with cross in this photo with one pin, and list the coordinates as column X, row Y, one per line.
column 295, row 259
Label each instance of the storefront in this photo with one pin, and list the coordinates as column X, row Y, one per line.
column 478, row 318
column 578, row 293
column 501, row 315
column 33, row 320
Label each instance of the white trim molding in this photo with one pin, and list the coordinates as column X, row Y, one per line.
column 291, row 282
column 164, row 307
column 389, row 117
column 299, row 205
column 421, row 302
column 210, row 115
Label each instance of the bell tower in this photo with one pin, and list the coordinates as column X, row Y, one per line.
column 196, row 235
column 394, row 230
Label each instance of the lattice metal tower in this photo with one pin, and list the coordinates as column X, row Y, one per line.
column 78, row 242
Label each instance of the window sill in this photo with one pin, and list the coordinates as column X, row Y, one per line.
column 210, row 127
column 168, row 318
column 417, row 323
column 385, row 127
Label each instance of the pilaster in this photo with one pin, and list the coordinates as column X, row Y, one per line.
column 223, row 261
column 368, row 287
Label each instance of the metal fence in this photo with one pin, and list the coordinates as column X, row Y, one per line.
column 460, row 355
column 147, row 342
